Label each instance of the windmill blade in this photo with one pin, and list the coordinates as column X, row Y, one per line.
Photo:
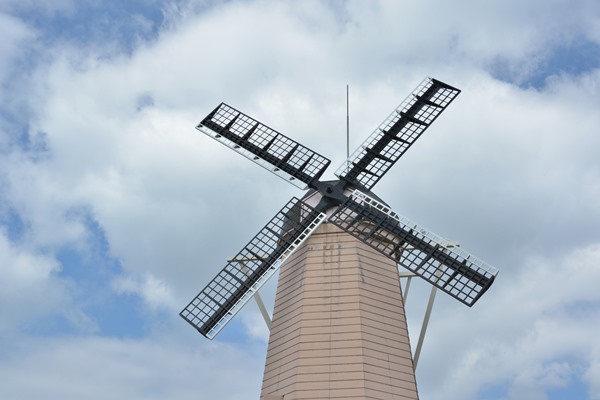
column 396, row 134
column 227, row 293
column 456, row 272
column 268, row 148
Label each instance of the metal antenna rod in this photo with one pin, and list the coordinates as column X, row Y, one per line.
column 347, row 123
column 347, row 128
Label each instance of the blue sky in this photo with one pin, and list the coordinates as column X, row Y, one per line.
column 115, row 211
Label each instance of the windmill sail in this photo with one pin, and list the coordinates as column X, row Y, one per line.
column 227, row 293
column 456, row 272
column 396, row 134
column 268, row 148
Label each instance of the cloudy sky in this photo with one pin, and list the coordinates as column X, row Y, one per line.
column 115, row 211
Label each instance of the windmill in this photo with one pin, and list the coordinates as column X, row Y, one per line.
column 358, row 243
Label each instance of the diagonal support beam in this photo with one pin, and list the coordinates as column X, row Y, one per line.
column 257, row 297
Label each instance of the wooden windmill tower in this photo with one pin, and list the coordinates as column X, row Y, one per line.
column 338, row 328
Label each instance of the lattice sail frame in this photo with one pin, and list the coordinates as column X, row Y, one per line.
column 251, row 268
column 227, row 293
column 380, row 151
column 270, row 149
column 453, row 270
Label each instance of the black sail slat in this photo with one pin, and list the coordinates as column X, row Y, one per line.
column 212, row 308
column 382, row 149
column 459, row 274
column 265, row 146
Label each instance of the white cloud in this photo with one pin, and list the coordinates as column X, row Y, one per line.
column 101, row 368
column 512, row 173
column 30, row 288
column 16, row 37
column 536, row 331
column 39, row 5
column 15, row 32
column 592, row 374
column 155, row 293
